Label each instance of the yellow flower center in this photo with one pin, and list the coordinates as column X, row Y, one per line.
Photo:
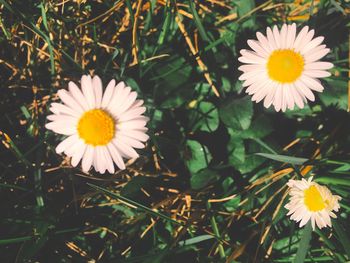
column 285, row 65
column 96, row 127
column 313, row 199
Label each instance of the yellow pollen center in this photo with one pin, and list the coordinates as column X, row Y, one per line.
column 96, row 127
column 285, row 65
column 313, row 199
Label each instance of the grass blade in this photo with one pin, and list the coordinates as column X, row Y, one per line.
column 284, row 158
column 304, row 244
column 343, row 238
column 136, row 204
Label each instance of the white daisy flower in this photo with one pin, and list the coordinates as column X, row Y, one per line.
column 102, row 128
column 311, row 201
column 283, row 68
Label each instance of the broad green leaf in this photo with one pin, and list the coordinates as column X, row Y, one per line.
column 236, row 150
column 197, row 156
column 232, row 204
column 336, row 94
column 284, row 158
column 244, row 7
column 237, row 113
column 260, row 127
column 208, row 117
column 202, row 178
column 304, row 244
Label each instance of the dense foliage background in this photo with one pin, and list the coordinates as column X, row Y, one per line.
column 200, row 192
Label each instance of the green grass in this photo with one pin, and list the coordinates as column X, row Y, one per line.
column 209, row 187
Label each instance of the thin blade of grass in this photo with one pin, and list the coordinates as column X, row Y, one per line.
column 136, row 204
column 284, row 158
column 343, row 238
column 304, row 244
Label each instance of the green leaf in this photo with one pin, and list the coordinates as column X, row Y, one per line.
column 202, row 178
column 304, row 244
column 336, row 94
column 232, row 204
column 237, row 113
column 342, row 237
column 284, row 158
column 244, row 7
column 334, row 181
column 236, row 151
column 195, row 240
column 198, row 22
column 197, row 156
column 208, row 117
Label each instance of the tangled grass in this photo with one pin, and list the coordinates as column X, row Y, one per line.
column 199, row 192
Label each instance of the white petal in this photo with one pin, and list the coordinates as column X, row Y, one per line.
column 100, row 160
column 270, row 96
column 271, row 39
column 321, row 65
column 297, row 97
column 302, row 34
column 107, row 96
column 125, row 149
column 317, row 73
column 305, row 40
column 278, row 98
column 284, row 97
column 119, row 95
column 257, row 48
column 127, row 103
column 58, row 108
column 291, row 35
column 88, row 158
column 262, row 76
column 132, row 113
column 140, row 136
column 252, row 57
column 60, row 128
column 97, row 87
column 109, row 161
column 283, row 35
column 311, row 45
column 289, row 97
column 250, row 74
column 86, row 85
column 78, row 154
column 136, row 123
column 311, row 83
column 316, row 56
column 264, row 90
column 66, row 143
column 77, row 95
column 303, row 89
column 116, row 156
column 305, row 219
column 69, row 101
column 251, row 67
column 263, row 42
column 129, row 141
column 277, row 36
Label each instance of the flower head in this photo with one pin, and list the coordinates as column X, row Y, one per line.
column 311, row 201
column 102, row 127
column 283, row 68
